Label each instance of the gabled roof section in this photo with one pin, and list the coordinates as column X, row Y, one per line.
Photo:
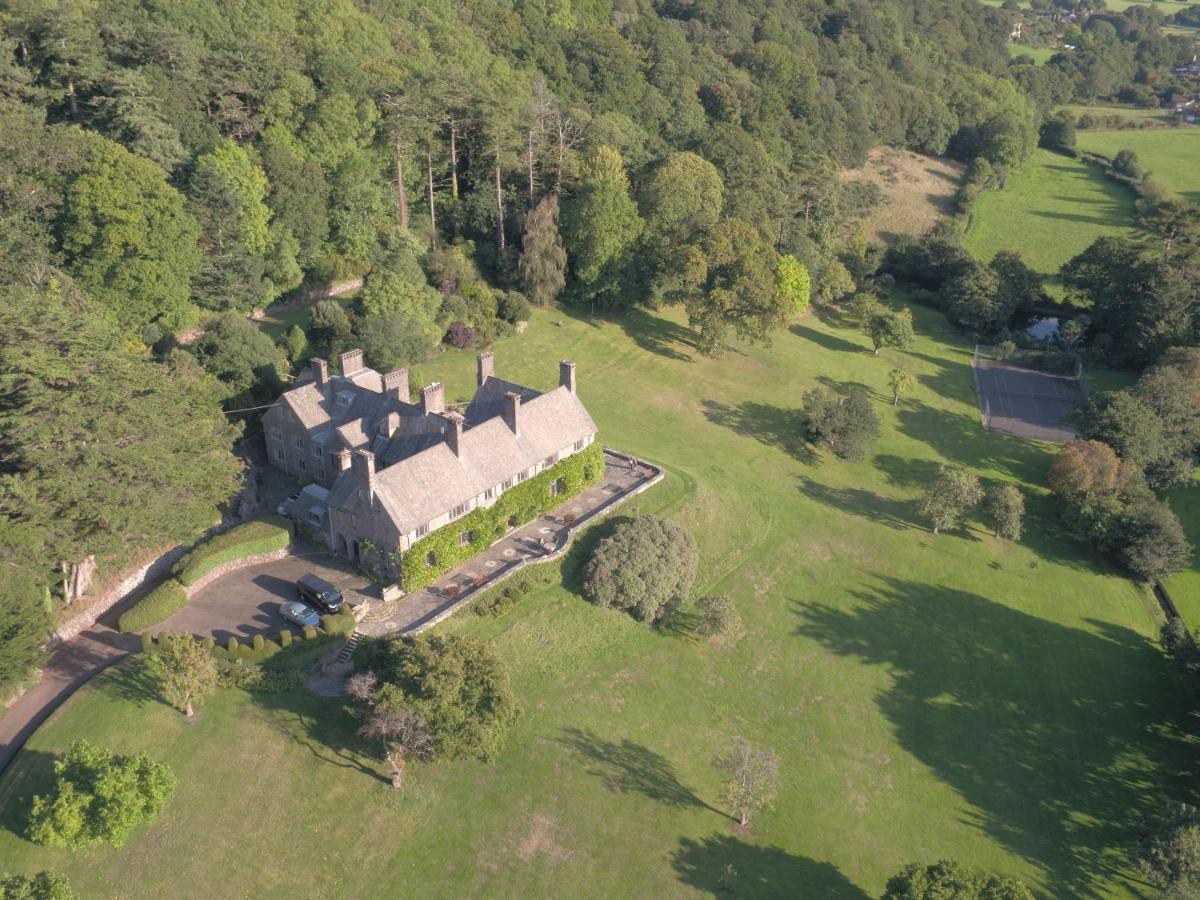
column 488, row 401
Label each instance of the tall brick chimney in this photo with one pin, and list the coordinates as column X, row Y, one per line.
column 512, row 411
column 395, row 385
column 566, row 375
column 433, row 398
column 454, row 432
column 389, row 424
column 351, row 361
column 485, row 367
column 320, row 371
column 343, row 460
column 363, row 464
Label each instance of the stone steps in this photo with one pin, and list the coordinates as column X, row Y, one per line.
column 348, row 648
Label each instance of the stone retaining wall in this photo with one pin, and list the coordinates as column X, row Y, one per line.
column 233, row 566
column 102, row 604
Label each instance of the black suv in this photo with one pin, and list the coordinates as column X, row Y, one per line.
column 319, row 593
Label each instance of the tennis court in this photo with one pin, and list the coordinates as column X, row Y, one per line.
column 1026, row 402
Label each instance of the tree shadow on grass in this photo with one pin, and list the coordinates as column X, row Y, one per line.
column 826, row 340
column 963, row 441
column 894, row 513
column 324, row 726
column 135, row 682
column 30, row 773
column 1058, row 739
column 650, row 332
column 908, row 473
column 724, row 866
column 626, row 767
column 770, row 425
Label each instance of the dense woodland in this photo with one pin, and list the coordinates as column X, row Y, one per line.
column 165, row 168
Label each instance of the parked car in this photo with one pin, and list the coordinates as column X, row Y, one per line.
column 299, row 614
column 285, row 508
column 319, row 593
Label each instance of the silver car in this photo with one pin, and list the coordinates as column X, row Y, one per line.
column 299, row 614
column 285, row 508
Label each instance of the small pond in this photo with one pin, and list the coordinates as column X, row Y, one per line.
column 1044, row 329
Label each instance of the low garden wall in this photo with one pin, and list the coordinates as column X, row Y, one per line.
column 604, row 509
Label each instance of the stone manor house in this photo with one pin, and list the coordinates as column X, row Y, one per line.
column 388, row 471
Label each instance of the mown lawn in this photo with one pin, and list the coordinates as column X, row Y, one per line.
column 1050, row 210
column 1170, row 155
column 1184, row 588
column 1039, row 54
column 950, row 696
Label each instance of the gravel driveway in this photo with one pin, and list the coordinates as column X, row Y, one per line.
column 246, row 602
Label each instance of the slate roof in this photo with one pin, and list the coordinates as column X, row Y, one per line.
column 423, row 486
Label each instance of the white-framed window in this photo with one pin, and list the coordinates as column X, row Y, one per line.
column 520, row 477
column 298, row 443
column 460, row 510
column 557, row 487
column 300, row 464
column 345, row 398
column 316, row 450
column 489, row 493
column 422, row 530
column 508, row 483
column 549, row 461
column 578, row 446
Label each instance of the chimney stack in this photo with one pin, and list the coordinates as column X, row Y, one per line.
column 320, row 371
column 433, row 398
column 395, row 385
column 512, row 411
column 363, row 463
column 485, row 367
column 351, row 362
column 343, row 460
column 454, row 432
column 566, row 375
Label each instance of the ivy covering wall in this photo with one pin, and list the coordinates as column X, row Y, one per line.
column 486, row 525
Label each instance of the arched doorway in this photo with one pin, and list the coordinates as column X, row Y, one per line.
column 340, row 547
column 354, row 551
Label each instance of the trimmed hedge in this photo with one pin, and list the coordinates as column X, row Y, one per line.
column 518, row 505
column 166, row 599
column 264, row 535
column 343, row 623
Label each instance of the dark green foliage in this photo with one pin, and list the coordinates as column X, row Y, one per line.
column 457, row 684
column 1152, row 542
column 499, row 600
column 99, row 797
column 1170, row 857
column 165, row 600
column 24, row 624
column 646, row 566
column 328, row 323
column 42, row 886
column 947, row 880
column 106, row 452
column 971, row 301
column 1058, row 131
column 846, row 425
column 341, row 624
column 240, row 356
column 518, row 505
column 264, row 535
column 600, row 228
column 513, row 307
column 394, row 340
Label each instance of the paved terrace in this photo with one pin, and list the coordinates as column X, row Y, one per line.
column 523, row 546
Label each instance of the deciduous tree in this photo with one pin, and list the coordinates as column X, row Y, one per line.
column 1004, row 507
column 951, row 495
column 185, row 669
column 543, row 263
column 901, row 381
column 751, row 778
column 890, row 328
column 646, row 566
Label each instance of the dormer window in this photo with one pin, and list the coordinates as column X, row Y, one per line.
column 345, row 398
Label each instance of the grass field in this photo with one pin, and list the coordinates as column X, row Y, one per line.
column 918, row 191
column 1128, row 113
column 276, row 324
column 953, row 696
column 1185, row 587
column 1039, row 54
column 1050, row 210
column 1171, row 155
